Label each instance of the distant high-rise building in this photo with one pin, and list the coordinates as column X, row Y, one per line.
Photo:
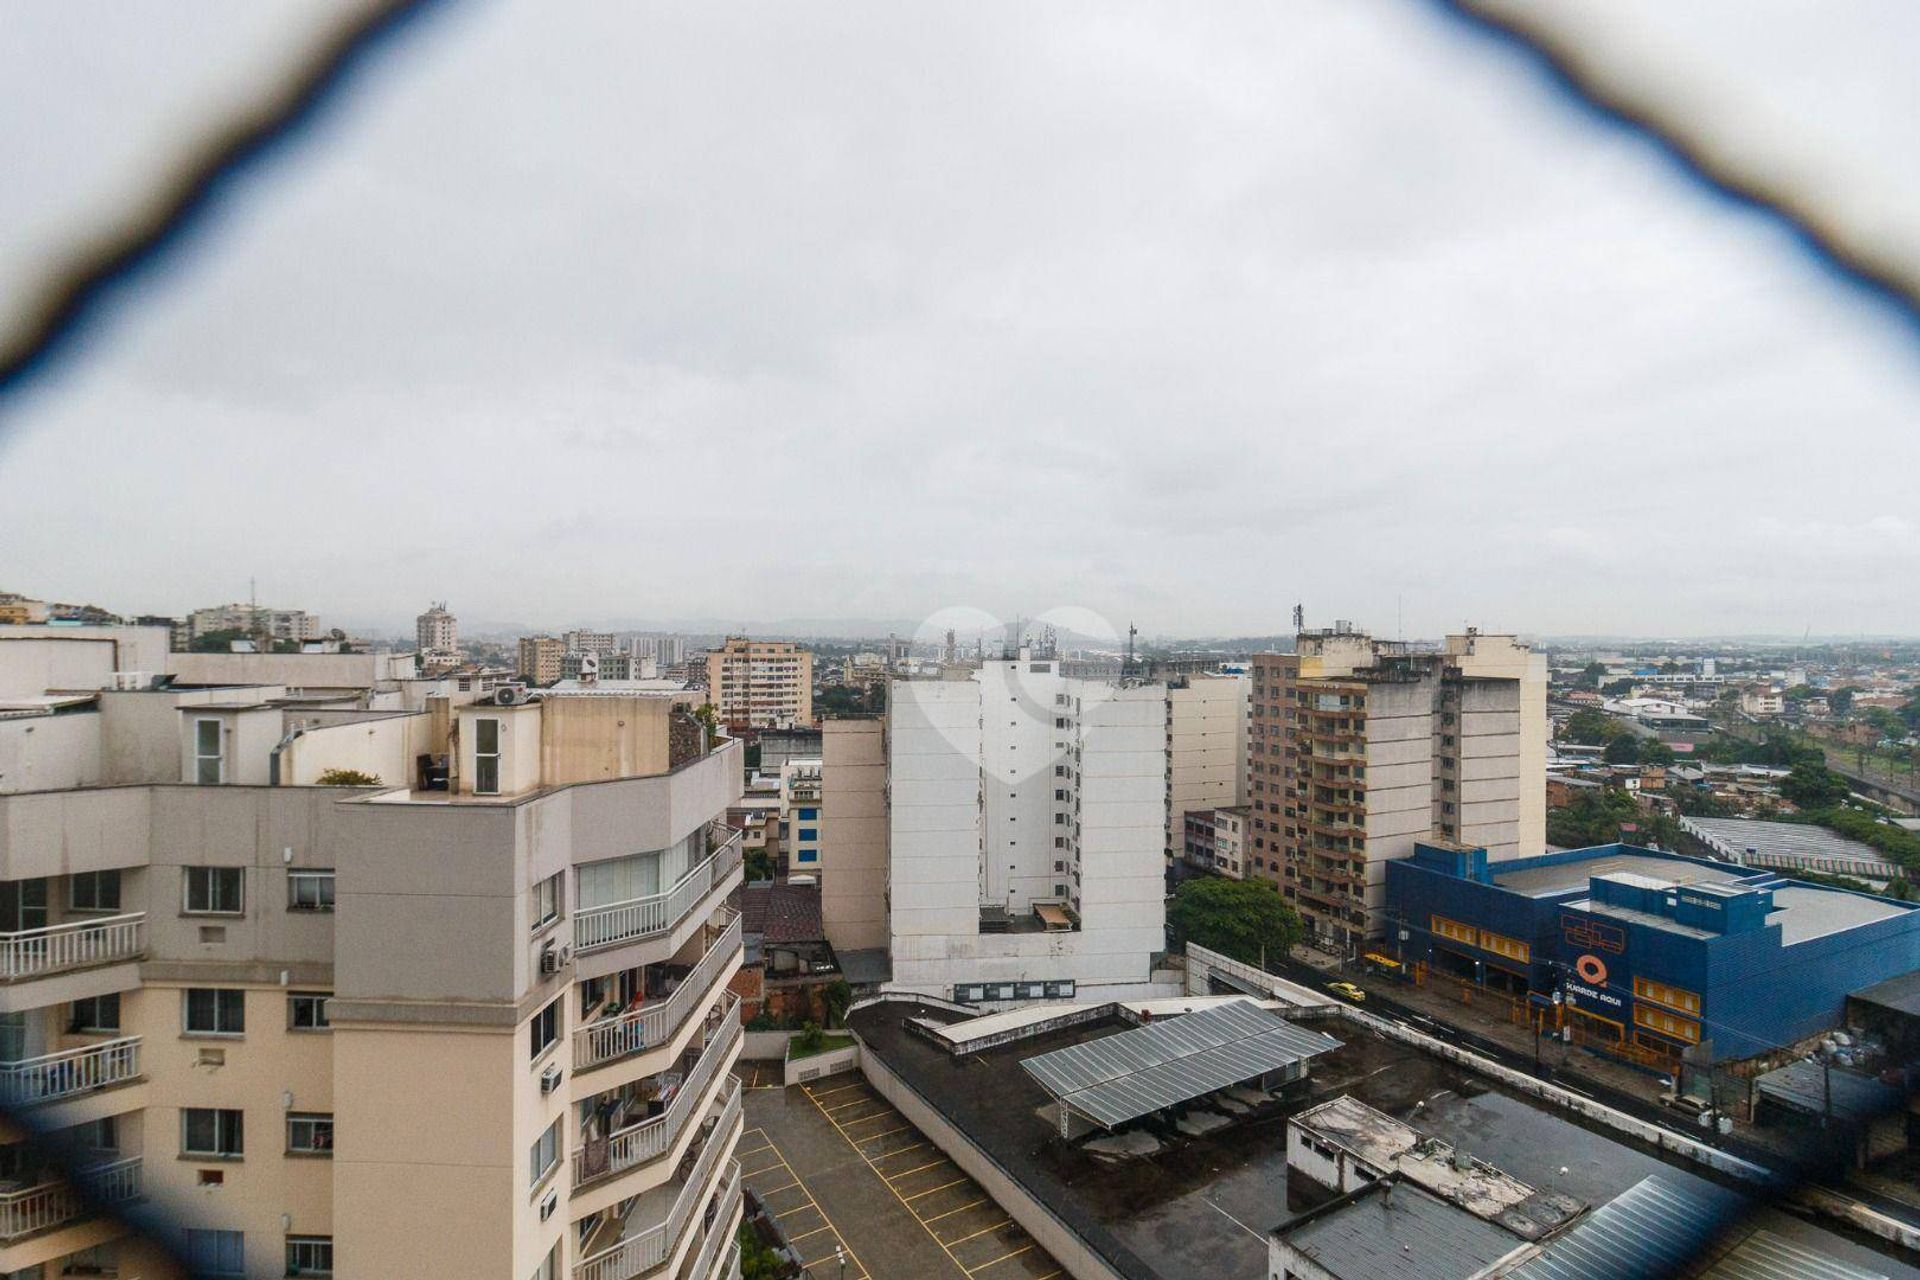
column 761, row 684
column 601, row 642
column 1358, row 748
column 540, row 658
column 436, row 630
column 254, row 620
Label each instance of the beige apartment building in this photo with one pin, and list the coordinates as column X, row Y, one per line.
column 541, row 659
column 1206, row 748
column 251, row 1028
column 1359, row 747
column 761, row 684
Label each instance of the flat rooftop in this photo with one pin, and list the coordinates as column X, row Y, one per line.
column 1202, row 1205
column 1567, row 877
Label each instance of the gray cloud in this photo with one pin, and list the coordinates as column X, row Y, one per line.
column 760, row 311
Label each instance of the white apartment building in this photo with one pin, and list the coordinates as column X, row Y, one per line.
column 1206, row 748
column 1359, row 748
column 761, row 684
column 1027, row 824
column 275, row 1029
column 436, row 636
column 802, row 828
column 275, row 624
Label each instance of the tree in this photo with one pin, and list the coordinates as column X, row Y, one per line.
column 1592, row 728
column 1814, row 786
column 757, row 1260
column 1624, row 749
column 838, row 997
column 1653, row 751
column 347, row 778
column 1591, row 675
column 217, row 641
column 1617, row 688
column 1244, row 919
column 1840, row 701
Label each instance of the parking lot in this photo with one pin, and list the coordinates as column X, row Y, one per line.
column 871, row 1182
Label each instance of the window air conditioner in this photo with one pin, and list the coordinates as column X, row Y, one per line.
column 550, row 1078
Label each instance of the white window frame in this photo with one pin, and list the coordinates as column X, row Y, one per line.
column 312, row 1245
column 311, row 1122
column 550, row 1012
column 200, row 757
column 480, row 756
column 551, row 888
column 224, row 1126
column 317, row 879
column 186, row 890
column 320, row 998
column 547, row 1144
column 186, row 1012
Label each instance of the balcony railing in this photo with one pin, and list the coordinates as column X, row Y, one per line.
column 72, row 1071
column 652, row 1138
column 657, row 913
column 641, row 1252
column 51, row 1203
column 726, row 1205
column 33, row 953
column 602, row 1042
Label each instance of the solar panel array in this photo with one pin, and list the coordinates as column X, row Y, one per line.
column 1121, row 1077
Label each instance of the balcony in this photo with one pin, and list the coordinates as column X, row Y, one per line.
column 53, row 1076
column 721, row 1230
column 661, row 1218
column 611, row 1039
column 55, row 1202
column 637, row 1144
column 640, row 918
column 36, row 953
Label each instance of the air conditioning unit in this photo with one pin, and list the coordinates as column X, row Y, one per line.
column 548, row 1205
column 554, row 958
column 550, row 1078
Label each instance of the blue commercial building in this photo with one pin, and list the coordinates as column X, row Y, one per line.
column 1649, row 952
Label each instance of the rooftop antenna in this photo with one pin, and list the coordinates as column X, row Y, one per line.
column 1132, row 631
column 1299, row 618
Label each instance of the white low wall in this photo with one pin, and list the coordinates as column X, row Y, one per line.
column 765, row 1046
column 832, row 1062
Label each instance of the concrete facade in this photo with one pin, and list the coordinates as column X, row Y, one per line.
column 511, row 1008
column 853, row 895
column 761, row 684
column 1360, row 748
column 1206, row 748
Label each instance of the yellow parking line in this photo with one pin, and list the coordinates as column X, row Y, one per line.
column 873, row 1137
column 982, row 1231
column 886, row 1113
column 774, row 1191
column 804, row 1234
column 754, row 1173
column 828, row 1093
column 928, row 1222
column 842, row 1106
column 931, row 1164
column 1002, row 1258
column 942, row 1187
column 891, row 1154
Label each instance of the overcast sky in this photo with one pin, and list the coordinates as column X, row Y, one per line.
column 1180, row 313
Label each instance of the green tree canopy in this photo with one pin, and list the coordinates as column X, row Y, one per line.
column 1244, row 919
column 1624, row 749
column 1654, row 751
column 347, row 778
column 1814, row 786
column 1592, row 728
column 217, row 641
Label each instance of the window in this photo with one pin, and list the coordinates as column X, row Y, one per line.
column 809, row 833
column 809, row 815
column 1455, row 931
column 218, row 1134
column 544, row 1029
column 1671, row 1024
column 807, row 855
column 216, row 1011
column 215, row 890
column 307, row 1011
column 95, row 1013
column 310, row 890
column 549, row 1268
column 94, row 891
column 486, row 757
column 309, row 1255
column 544, row 1154
column 208, row 767
column 546, row 902
column 216, row 1253
column 310, row 1133
column 1663, row 993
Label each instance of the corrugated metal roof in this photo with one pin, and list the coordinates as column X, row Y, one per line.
column 1653, row 1228
column 1765, row 1256
column 1122, row 1077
